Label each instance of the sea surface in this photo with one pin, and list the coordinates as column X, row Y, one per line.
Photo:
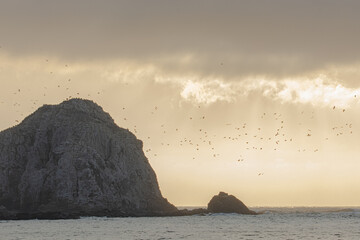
column 274, row 223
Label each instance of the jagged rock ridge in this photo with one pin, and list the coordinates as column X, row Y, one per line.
column 72, row 158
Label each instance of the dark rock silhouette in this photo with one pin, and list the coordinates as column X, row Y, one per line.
column 71, row 160
column 187, row 212
column 225, row 203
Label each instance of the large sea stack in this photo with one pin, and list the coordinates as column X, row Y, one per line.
column 72, row 160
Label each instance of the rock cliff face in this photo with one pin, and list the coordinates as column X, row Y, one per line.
column 225, row 203
column 71, row 159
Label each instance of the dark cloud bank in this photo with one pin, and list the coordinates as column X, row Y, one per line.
column 245, row 37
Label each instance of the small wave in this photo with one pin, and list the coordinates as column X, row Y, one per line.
column 345, row 210
column 305, row 210
column 267, row 212
column 223, row 214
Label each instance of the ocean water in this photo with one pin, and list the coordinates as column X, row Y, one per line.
column 274, row 223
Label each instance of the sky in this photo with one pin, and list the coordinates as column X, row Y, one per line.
column 259, row 99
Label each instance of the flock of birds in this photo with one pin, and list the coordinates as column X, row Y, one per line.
column 245, row 136
column 250, row 138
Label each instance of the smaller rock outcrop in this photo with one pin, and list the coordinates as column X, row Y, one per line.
column 225, row 203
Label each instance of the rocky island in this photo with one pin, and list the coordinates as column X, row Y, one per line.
column 71, row 160
column 225, row 203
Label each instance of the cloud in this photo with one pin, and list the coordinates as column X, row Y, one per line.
column 319, row 92
column 238, row 38
column 317, row 89
column 207, row 92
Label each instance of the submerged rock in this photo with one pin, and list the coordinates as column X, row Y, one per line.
column 71, row 160
column 225, row 203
